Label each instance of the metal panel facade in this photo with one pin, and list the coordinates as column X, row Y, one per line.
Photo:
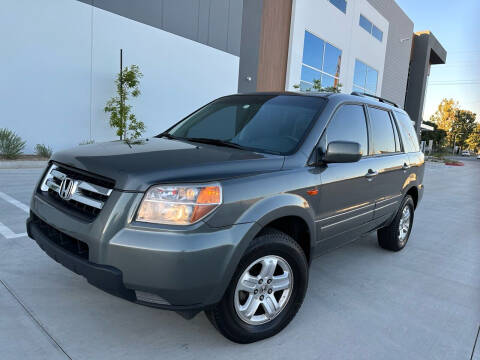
column 397, row 56
column 216, row 23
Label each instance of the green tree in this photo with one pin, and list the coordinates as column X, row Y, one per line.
column 437, row 135
column 445, row 115
column 121, row 117
column 317, row 87
column 473, row 140
column 463, row 125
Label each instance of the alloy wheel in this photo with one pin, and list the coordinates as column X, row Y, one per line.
column 263, row 290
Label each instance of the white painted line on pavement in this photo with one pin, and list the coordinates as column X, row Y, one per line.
column 14, row 202
column 9, row 234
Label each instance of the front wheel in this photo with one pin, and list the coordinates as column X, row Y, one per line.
column 395, row 236
column 266, row 290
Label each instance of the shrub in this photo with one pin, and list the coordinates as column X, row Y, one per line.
column 43, row 150
column 87, row 142
column 11, row 145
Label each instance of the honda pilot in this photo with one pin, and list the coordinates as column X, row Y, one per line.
column 225, row 211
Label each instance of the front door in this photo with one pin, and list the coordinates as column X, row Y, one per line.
column 346, row 201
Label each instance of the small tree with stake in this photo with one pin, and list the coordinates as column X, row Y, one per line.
column 121, row 117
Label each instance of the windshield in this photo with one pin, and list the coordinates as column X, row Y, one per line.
column 265, row 123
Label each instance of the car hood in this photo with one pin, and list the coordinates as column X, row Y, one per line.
column 137, row 166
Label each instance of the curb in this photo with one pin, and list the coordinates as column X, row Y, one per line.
column 454, row 163
column 22, row 164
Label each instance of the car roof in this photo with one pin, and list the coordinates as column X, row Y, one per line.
column 337, row 97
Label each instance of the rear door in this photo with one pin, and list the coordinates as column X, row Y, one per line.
column 390, row 163
column 347, row 198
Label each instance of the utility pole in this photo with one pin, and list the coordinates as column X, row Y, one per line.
column 121, row 94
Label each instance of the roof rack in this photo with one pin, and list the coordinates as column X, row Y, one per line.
column 375, row 97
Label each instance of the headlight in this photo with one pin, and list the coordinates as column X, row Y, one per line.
column 179, row 205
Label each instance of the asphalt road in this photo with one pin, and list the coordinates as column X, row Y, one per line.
column 363, row 302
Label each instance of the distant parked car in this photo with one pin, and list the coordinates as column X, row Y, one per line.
column 478, row 156
column 465, row 153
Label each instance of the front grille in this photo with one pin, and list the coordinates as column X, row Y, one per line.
column 81, row 193
column 72, row 245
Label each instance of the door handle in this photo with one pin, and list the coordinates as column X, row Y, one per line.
column 371, row 173
column 405, row 166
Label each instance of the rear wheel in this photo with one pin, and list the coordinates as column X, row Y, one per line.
column 395, row 236
column 266, row 291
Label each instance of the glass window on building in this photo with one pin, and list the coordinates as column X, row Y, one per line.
column 370, row 28
column 340, row 5
column 321, row 61
column 366, row 24
column 377, row 33
column 365, row 78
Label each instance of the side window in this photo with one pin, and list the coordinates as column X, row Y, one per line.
column 348, row 124
column 398, row 147
column 407, row 131
column 382, row 131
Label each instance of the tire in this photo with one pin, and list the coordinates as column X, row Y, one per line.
column 392, row 237
column 266, row 248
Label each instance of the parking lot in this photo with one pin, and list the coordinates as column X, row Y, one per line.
column 363, row 302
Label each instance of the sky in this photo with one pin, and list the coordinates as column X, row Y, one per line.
column 454, row 25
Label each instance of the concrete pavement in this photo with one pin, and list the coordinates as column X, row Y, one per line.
column 363, row 302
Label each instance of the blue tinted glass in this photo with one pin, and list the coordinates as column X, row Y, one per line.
column 366, row 24
column 331, row 63
column 340, row 5
column 356, row 88
column 372, row 76
column 376, row 32
column 313, row 50
column 309, row 74
column 327, row 81
column 360, row 73
column 305, row 86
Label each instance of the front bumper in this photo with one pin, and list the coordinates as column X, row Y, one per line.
column 103, row 277
column 188, row 269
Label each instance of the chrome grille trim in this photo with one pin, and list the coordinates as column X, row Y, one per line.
column 54, row 178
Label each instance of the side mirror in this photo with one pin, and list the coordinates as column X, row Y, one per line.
column 342, row 152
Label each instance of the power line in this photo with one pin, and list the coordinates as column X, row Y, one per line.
column 455, row 82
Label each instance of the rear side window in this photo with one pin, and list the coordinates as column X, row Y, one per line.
column 398, row 147
column 382, row 131
column 349, row 124
column 407, row 131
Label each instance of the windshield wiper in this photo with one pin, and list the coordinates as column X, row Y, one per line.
column 166, row 135
column 215, row 142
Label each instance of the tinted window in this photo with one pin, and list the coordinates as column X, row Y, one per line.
column 216, row 125
column 372, row 29
column 340, row 5
column 365, row 23
column 360, row 74
column 332, row 60
column 313, row 51
column 377, row 33
column 365, row 78
column 371, row 83
column 321, row 61
column 258, row 122
column 348, row 124
column 407, row 132
column 398, row 147
column 309, row 74
column 382, row 131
